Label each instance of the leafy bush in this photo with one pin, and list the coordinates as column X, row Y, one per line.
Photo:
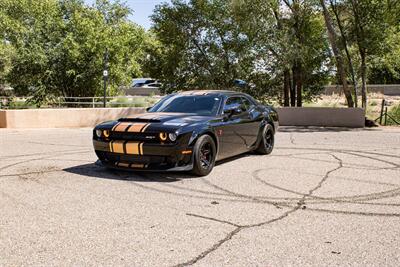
column 132, row 102
column 394, row 112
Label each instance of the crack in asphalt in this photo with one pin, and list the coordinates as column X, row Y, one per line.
column 213, row 219
column 237, row 197
column 239, row 228
column 291, row 139
column 255, row 199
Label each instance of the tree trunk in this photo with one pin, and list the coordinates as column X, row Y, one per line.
column 363, row 53
column 363, row 79
column 299, row 85
column 286, row 87
column 344, row 39
column 293, row 89
column 338, row 56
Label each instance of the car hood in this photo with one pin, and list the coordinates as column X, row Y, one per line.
column 167, row 118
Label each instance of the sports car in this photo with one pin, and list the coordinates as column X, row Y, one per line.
column 187, row 131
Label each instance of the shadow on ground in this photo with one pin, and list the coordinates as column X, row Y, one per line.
column 97, row 171
column 310, row 129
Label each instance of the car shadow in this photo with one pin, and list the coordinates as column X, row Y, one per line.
column 97, row 171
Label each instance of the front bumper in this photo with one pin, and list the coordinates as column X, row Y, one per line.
column 129, row 155
column 188, row 167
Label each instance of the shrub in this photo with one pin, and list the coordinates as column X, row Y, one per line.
column 394, row 112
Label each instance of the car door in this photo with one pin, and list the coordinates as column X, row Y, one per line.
column 251, row 120
column 233, row 133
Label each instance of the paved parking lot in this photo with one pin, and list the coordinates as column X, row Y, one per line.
column 324, row 197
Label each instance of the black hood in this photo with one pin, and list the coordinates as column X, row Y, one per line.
column 166, row 118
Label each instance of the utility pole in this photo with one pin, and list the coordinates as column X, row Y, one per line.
column 105, row 62
column 105, row 77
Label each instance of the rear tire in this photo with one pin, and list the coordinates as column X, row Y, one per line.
column 204, row 155
column 267, row 140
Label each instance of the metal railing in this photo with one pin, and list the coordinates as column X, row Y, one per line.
column 383, row 117
column 86, row 102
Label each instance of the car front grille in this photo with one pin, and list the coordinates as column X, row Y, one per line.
column 143, row 137
column 113, row 157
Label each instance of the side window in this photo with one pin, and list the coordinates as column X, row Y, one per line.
column 232, row 101
column 247, row 104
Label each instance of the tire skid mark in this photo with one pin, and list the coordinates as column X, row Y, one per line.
column 37, row 154
column 234, row 232
column 52, row 144
column 254, row 199
column 361, row 213
column 348, row 165
column 341, row 151
column 42, row 158
column 295, row 204
column 345, row 199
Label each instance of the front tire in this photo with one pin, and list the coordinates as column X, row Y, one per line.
column 267, row 140
column 204, row 155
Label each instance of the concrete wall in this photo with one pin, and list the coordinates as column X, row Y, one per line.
column 89, row 117
column 3, row 119
column 330, row 117
column 60, row 118
column 386, row 89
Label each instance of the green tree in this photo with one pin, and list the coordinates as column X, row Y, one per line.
column 60, row 46
column 364, row 25
column 209, row 44
column 201, row 45
column 385, row 69
column 369, row 30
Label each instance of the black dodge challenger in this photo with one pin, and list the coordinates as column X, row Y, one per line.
column 187, row 131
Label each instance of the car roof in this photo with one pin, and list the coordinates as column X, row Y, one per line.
column 209, row 92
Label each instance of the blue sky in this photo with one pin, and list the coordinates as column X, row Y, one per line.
column 142, row 9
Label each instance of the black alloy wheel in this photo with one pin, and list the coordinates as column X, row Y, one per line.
column 204, row 155
column 267, row 142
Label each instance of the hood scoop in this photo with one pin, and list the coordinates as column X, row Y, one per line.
column 138, row 120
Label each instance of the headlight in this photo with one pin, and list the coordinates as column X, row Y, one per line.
column 98, row 133
column 172, row 137
column 106, row 133
column 163, row 136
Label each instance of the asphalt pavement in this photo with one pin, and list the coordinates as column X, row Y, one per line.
column 324, row 197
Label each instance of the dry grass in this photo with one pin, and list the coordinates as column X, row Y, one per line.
column 373, row 105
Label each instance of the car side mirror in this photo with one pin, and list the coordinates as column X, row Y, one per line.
column 148, row 108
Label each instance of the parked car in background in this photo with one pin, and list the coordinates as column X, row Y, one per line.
column 152, row 85
column 143, row 87
column 145, row 82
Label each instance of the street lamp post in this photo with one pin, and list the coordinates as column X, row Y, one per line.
column 105, row 77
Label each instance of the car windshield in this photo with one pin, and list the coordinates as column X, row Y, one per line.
column 203, row 105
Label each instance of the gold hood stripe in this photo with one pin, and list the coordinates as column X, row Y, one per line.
column 122, row 127
column 115, row 126
column 130, row 127
column 145, row 127
column 136, row 127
